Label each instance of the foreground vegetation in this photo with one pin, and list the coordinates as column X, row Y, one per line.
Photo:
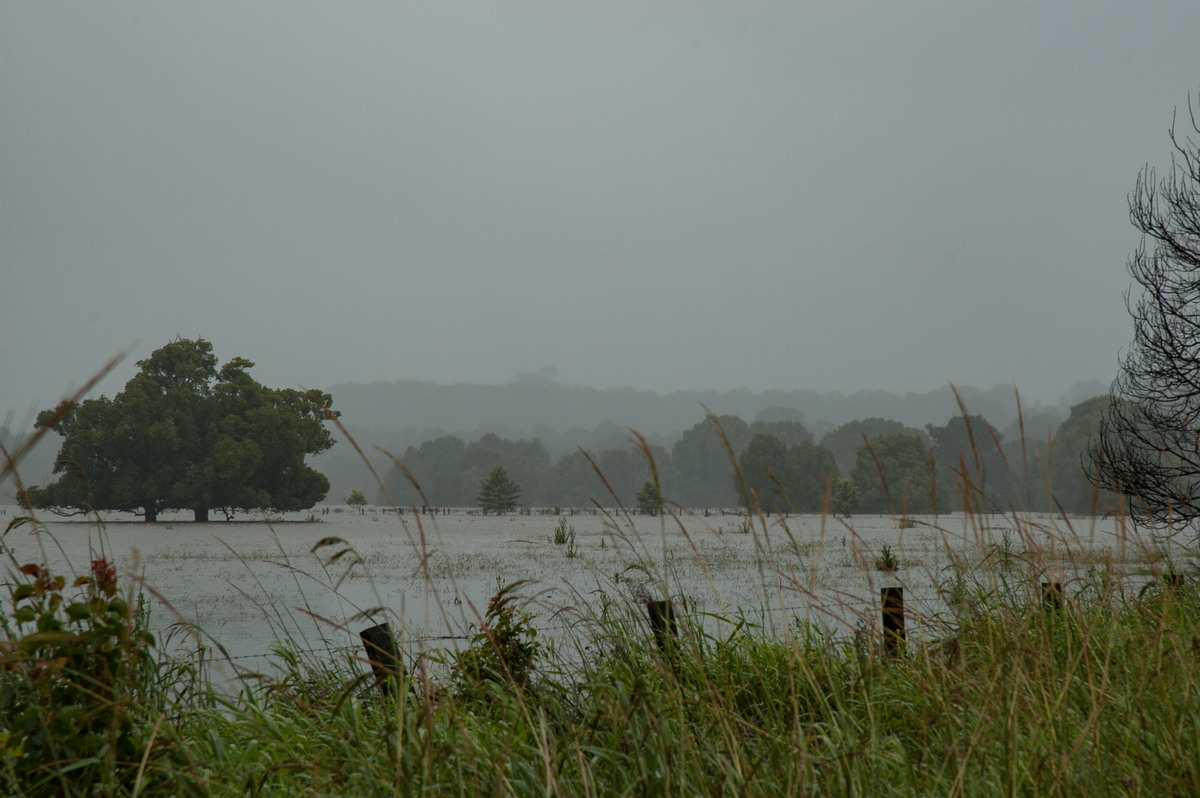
column 1097, row 694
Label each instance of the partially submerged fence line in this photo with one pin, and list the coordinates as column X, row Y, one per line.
column 383, row 652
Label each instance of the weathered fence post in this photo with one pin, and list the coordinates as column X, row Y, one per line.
column 383, row 655
column 662, row 622
column 893, row 617
column 1052, row 596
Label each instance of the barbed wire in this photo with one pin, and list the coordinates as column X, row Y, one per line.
column 412, row 641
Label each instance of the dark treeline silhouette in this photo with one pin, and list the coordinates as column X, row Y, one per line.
column 396, row 416
column 1003, row 464
column 775, row 463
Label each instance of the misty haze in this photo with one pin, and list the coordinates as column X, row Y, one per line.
column 610, row 398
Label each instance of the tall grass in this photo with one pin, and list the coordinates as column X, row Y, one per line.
column 1013, row 693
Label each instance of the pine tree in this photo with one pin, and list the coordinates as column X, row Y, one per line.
column 647, row 499
column 498, row 493
column 846, row 498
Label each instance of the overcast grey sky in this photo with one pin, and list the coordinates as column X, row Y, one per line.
column 834, row 195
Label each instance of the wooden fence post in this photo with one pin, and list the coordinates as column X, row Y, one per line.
column 662, row 622
column 383, row 655
column 893, row 617
column 1052, row 595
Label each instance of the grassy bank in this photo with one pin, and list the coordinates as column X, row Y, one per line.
column 1096, row 694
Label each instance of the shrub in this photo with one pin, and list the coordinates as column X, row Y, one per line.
column 563, row 532
column 71, row 673
column 502, row 653
column 886, row 562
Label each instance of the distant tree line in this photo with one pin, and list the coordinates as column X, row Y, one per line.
column 185, row 434
column 872, row 466
column 562, row 415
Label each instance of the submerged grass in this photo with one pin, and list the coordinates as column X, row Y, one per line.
column 1097, row 693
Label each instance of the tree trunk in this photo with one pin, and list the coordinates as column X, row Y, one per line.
column 200, row 514
column 151, row 515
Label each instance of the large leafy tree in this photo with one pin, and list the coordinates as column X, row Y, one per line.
column 432, row 473
column 446, row 471
column 762, row 470
column 971, row 463
column 795, row 478
column 570, row 482
column 185, row 435
column 812, row 471
column 704, row 457
column 845, row 440
column 624, row 470
column 525, row 460
column 1148, row 447
column 788, row 431
column 894, row 475
column 1071, row 489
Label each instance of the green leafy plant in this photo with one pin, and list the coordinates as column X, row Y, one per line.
column 563, row 532
column 71, row 671
column 564, row 535
column 502, row 653
column 887, row 562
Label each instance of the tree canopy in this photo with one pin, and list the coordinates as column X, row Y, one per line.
column 1147, row 447
column 704, row 463
column 762, row 467
column 812, row 472
column 972, row 471
column 845, row 440
column 183, row 435
column 358, row 500
column 975, row 462
column 783, row 478
column 1070, row 487
column 446, row 471
column 894, row 475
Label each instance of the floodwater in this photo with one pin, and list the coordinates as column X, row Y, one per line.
column 238, row 587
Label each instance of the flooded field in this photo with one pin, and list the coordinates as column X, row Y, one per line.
column 240, row 586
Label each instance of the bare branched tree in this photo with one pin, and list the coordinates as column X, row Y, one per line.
column 1148, row 447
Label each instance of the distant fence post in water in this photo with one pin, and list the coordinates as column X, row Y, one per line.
column 1052, row 596
column 893, row 618
column 662, row 623
column 383, row 654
